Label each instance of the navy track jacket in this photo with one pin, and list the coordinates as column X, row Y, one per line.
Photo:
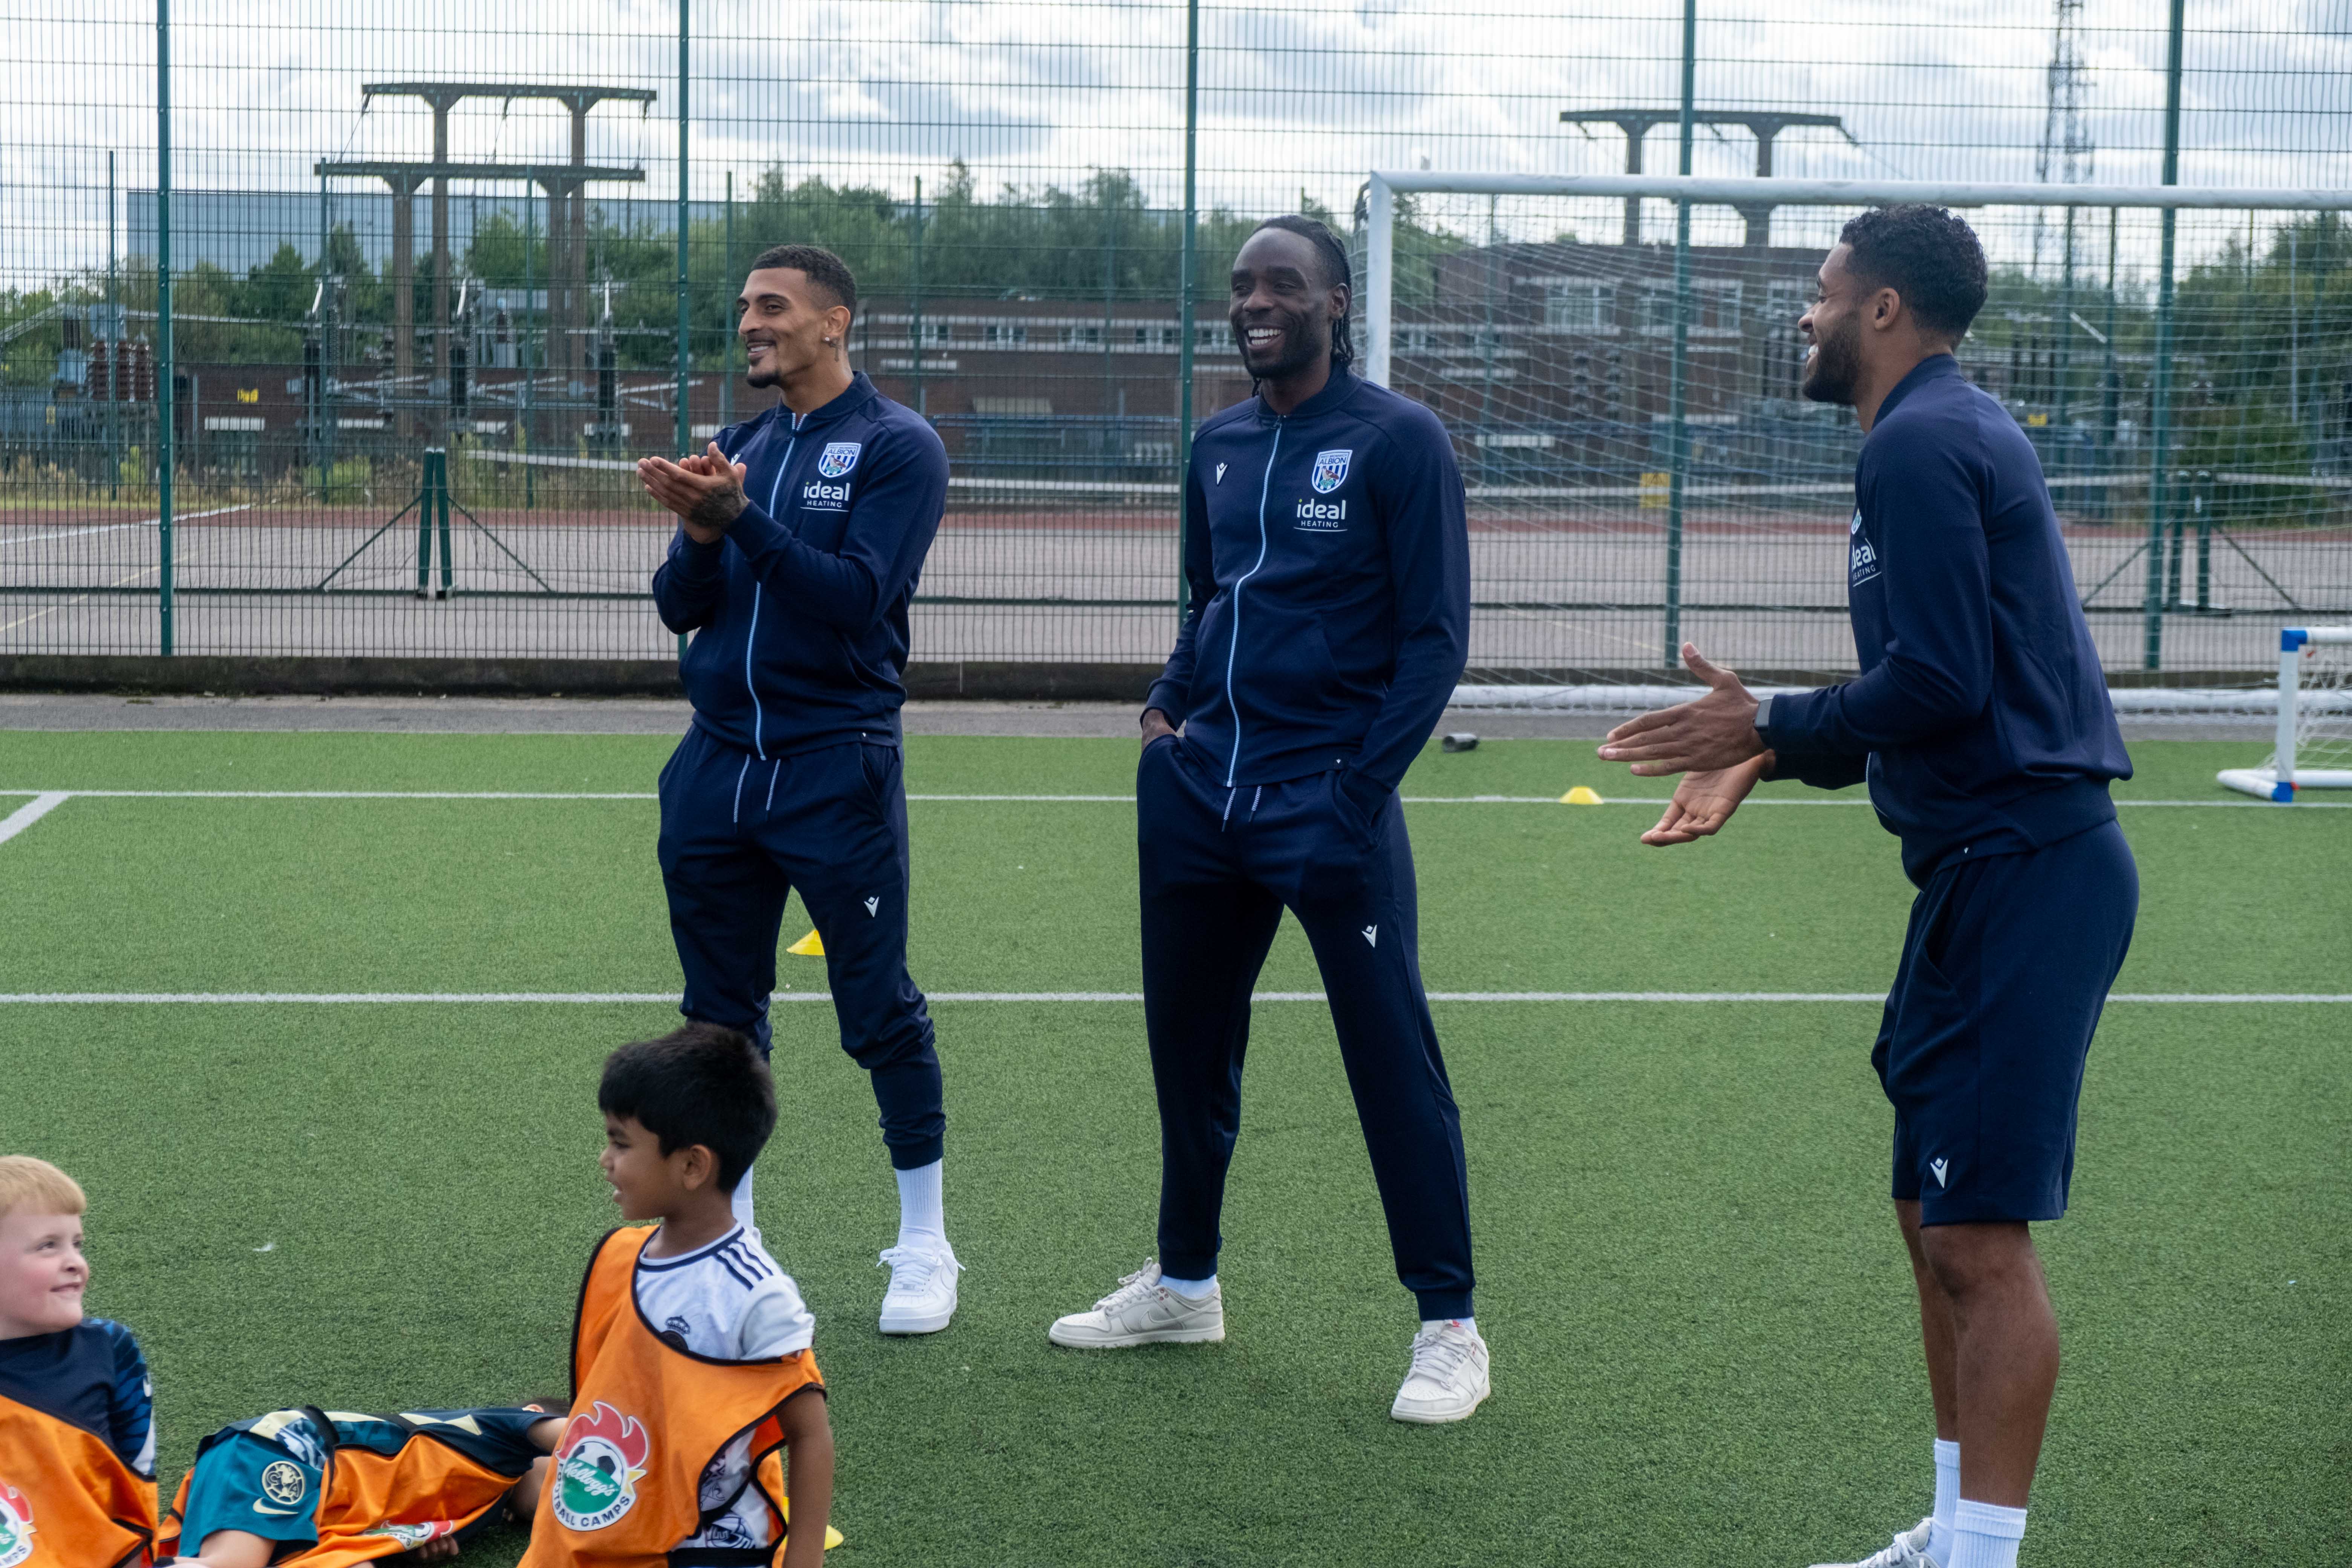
column 801, row 611
column 1328, row 561
column 1981, row 719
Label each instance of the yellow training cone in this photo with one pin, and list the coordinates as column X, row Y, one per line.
column 832, row 1536
column 1580, row 795
column 811, row 946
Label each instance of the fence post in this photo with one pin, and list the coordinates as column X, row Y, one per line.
column 1184, row 291
column 726, row 351
column 685, row 361
column 2159, row 498
column 118, row 355
column 1379, row 281
column 166, row 364
column 1678, row 395
column 918, row 311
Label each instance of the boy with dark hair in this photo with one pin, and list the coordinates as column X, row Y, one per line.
column 690, row 1358
column 801, row 534
column 317, row 1488
column 76, row 1411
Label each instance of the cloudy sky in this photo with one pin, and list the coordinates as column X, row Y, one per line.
column 1030, row 92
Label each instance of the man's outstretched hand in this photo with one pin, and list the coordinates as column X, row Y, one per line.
column 1703, row 802
column 705, row 490
column 1705, row 735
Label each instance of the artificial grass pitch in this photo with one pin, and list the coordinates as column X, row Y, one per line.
column 1700, row 1317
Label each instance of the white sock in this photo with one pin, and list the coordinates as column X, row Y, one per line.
column 1191, row 1289
column 922, row 1207
column 1985, row 1535
column 1469, row 1323
column 740, row 1200
column 1947, row 1497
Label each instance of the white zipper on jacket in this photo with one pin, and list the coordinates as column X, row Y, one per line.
column 759, row 714
column 1234, row 648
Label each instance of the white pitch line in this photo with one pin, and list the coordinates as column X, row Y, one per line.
column 43, row 538
column 31, row 812
column 1038, row 799
column 599, row 998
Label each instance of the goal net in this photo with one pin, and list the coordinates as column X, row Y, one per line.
column 1643, row 468
column 2313, row 750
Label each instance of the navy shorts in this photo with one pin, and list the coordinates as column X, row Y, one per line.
column 2005, row 967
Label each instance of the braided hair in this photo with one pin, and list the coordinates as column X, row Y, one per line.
column 1336, row 271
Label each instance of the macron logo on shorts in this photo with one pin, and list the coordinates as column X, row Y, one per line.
column 1938, row 1166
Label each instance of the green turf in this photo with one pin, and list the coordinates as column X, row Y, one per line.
column 1698, row 1310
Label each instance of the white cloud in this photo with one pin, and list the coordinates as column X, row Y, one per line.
column 1037, row 91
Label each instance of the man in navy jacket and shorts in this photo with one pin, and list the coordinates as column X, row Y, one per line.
column 1328, row 558
column 1980, row 722
column 801, row 533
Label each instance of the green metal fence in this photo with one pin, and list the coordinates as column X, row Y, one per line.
column 332, row 330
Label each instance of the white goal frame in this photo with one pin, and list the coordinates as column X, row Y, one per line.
column 2280, row 779
column 1385, row 185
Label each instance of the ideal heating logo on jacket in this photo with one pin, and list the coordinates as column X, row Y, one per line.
column 1862, row 561
column 818, row 496
column 1330, row 516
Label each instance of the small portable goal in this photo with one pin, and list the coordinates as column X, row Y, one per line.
column 2313, row 750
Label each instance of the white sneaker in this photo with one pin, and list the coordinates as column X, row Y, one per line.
column 1143, row 1312
column 922, row 1294
column 1448, row 1379
column 1908, row 1550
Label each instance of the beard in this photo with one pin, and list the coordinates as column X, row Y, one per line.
column 1835, row 366
column 1299, row 352
column 767, row 377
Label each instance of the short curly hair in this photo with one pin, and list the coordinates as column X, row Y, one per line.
column 820, row 266
column 1924, row 254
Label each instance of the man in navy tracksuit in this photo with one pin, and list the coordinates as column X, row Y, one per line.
column 1981, row 723
column 801, row 535
column 1327, row 559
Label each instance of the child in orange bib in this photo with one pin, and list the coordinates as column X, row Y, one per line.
column 77, row 1427
column 691, row 1365
column 307, row 1488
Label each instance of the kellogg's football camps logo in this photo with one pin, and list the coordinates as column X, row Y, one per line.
column 15, row 1527
column 837, row 459
column 1331, row 470
column 596, row 1468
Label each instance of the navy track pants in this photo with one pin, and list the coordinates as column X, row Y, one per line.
column 1218, row 867
column 737, row 834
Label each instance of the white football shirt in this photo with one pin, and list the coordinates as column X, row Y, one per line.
column 729, row 1301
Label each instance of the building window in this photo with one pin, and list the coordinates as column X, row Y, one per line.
column 1578, row 306
column 1786, row 301
column 1004, row 334
column 1715, row 307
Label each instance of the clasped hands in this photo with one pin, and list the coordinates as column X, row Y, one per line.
column 1711, row 740
column 705, row 490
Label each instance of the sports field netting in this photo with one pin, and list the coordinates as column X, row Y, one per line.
column 1645, row 470
column 1701, row 1317
column 514, row 242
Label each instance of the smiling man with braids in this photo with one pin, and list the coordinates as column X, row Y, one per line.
column 1329, row 563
